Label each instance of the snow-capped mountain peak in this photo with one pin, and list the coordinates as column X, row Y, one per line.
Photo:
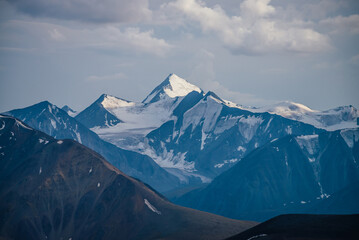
column 286, row 109
column 109, row 102
column 178, row 87
column 173, row 86
column 331, row 120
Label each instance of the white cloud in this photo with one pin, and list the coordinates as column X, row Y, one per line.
column 86, row 10
column 107, row 37
column 256, row 8
column 341, row 24
column 255, row 31
column 143, row 41
column 111, row 37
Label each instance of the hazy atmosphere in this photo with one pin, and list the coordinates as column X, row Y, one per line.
column 250, row 52
column 179, row 119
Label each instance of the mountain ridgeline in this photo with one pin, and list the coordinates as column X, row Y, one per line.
column 193, row 135
column 211, row 154
column 60, row 189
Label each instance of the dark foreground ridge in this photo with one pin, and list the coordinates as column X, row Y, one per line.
column 304, row 226
column 60, row 189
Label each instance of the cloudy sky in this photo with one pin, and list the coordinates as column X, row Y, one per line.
column 252, row 52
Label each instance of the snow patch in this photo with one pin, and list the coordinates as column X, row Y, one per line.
column 43, row 141
column 18, row 123
column 184, row 175
column 98, row 184
column 241, row 149
column 60, row 142
column 220, row 165
column 248, row 126
column 257, row 236
column 350, row 136
column 310, row 143
column 53, row 123
column 204, row 136
column 289, row 130
column 286, row 159
column 40, row 170
column 151, row 207
column 78, row 135
column 268, row 124
column 323, row 196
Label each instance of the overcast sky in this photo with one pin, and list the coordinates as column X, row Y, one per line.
column 252, row 52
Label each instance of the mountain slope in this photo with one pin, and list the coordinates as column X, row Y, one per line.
column 54, row 121
column 299, row 226
column 344, row 201
column 282, row 176
column 53, row 189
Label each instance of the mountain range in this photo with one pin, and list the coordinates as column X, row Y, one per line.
column 286, row 175
column 181, row 128
column 55, row 122
column 331, row 120
column 60, row 189
column 218, row 156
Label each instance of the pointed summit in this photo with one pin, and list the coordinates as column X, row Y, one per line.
column 173, row 86
column 69, row 111
column 97, row 114
column 213, row 96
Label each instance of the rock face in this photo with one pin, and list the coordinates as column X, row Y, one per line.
column 60, row 189
column 304, row 226
column 52, row 120
column 285, row 175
